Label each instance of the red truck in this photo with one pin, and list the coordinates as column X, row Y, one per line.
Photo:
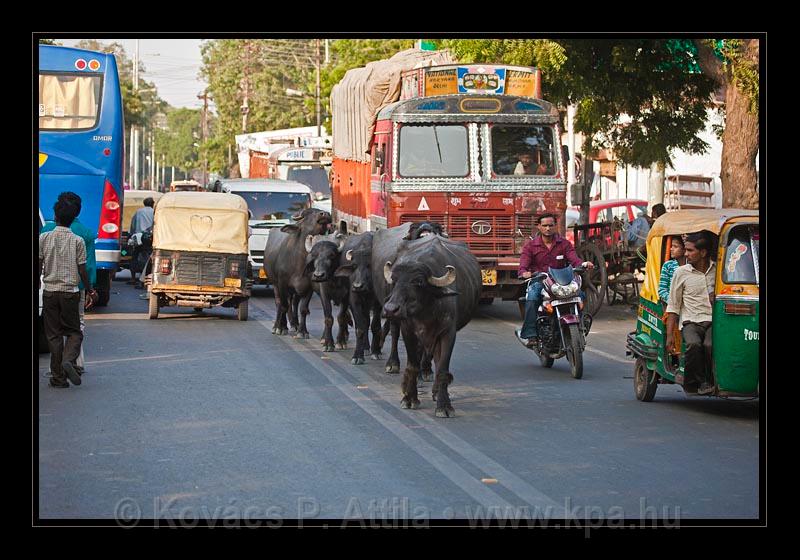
column 473, row 147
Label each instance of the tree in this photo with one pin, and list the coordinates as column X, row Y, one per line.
column 736, row 69
column 180, row 142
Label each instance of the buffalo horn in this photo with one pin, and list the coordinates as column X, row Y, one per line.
column 349, row 255
column 309, row 243
column 387, row 272
column 442, row 281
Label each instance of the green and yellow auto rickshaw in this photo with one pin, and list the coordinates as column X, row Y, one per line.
column 200, row 255
column 735, row 334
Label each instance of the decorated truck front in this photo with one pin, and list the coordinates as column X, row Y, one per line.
column 471, row 147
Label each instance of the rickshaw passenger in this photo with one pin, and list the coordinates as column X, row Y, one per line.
column 690, row 298
column 678, row 258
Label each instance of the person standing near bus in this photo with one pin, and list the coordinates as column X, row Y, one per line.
column 62, row 266
column 91, row 265
column 142, row 221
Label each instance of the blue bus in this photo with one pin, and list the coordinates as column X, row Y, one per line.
column 82, row 145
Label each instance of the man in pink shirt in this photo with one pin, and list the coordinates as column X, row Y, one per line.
column 546, row 250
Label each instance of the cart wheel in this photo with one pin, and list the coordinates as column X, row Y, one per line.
column 645, row 381
column 153, row 308
column 599, row 276
column 594, row 299
column 241, row 311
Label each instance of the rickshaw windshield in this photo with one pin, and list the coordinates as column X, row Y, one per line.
column 742, row 255
column 563, row 276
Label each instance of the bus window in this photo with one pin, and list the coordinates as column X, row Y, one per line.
column 523, row 150
column 69, row 102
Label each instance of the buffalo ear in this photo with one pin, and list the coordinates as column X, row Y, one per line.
column 290, row 228
column 343, row 271
column 445, row 292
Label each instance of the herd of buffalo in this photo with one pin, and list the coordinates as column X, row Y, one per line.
column 425, row 285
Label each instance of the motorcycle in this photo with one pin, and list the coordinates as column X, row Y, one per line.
column 142, row 248
column 562, row 324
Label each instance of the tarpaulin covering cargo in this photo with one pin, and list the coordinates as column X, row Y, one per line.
column 363, row 92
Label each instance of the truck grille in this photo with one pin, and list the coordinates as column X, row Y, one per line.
column 202, row 270
column 499, row 240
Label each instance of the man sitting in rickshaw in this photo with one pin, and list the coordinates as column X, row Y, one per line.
column 691, row 298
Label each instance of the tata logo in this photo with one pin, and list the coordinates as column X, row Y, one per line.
column 481, row 227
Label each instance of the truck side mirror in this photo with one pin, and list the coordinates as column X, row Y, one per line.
column 565, row 152
column 379, row 158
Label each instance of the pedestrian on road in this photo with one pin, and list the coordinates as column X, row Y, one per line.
column 62, row 263
column 91, row 266
column 142, row 221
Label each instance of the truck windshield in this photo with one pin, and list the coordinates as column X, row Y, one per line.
column 523, row 150
column 434, row 151
column 275, row 205
column 312, row 176
column 741, row 255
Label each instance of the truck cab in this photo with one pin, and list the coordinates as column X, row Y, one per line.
column 272, row 203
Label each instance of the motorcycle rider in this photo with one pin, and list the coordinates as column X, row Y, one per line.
column 546, row 250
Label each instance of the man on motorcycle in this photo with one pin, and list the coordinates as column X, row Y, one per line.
column 546, row 250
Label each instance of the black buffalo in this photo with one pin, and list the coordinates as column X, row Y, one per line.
column 321, row 265
column 356, row 268
column 436, row 285
column 386, row 245
column 285, row 263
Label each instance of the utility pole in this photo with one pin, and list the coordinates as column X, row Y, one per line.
column 152, row 158
column 204, row 97
column 246, row 86
column 327, row 52
column 319, row 132
column 135, row 129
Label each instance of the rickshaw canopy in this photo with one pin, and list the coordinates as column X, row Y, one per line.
column 679, row 222
column 133, row 201
column 201, row 221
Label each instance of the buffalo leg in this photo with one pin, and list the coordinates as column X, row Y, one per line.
column 393, row 363
column 361, row 319
column 293, row 315
column 342, row 319
column 425, row 371
column 302, row 331
column 443, row 353
column 409, row 384
column 327, row 311
column 375, row 327
column 282, row 298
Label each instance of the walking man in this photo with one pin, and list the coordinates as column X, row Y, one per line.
column 62, row 262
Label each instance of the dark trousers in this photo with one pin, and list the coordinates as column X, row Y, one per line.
column 533, row 299
column 697, row 365
column 62, row 319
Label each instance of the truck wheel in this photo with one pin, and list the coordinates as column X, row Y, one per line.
column 574, row 354
column 153, row 308
column 103, row 287
column 241, row 310
column 645, row 381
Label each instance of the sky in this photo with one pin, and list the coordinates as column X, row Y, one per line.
column 172, row 65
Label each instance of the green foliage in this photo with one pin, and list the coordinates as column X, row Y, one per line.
column 181, row 141
column 743, row 73
column 49, row 42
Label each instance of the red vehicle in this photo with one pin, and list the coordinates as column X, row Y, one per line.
column 604, row 211
column 449, row 147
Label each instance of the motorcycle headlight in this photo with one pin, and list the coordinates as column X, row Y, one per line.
column 569, row 290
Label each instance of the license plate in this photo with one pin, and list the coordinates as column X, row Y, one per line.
column 233, row 282
column 489, row 277
column 262, row 273
column 563, row 301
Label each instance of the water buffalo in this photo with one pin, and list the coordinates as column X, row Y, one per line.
column 356, row 267
column 321, row 264
column 386, row 244
column 285, row 263
column 436, row 285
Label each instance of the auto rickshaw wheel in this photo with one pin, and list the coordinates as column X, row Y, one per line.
column 241, row 310
column 153, row 308
column 645, row 381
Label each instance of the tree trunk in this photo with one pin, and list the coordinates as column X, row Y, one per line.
column 740, row 146
column 741, row 136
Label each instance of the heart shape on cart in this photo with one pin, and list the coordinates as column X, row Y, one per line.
column 201, row 226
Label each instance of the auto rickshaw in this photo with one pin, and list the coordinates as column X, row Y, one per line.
column 200, row 252
column 735, row 334
column 133, row 201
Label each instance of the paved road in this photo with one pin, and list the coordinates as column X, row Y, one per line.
column 200, row 415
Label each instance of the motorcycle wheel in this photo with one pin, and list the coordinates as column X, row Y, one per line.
column 574, row 354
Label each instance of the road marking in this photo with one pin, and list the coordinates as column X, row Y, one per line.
column 471, row 485
column 162, row 357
